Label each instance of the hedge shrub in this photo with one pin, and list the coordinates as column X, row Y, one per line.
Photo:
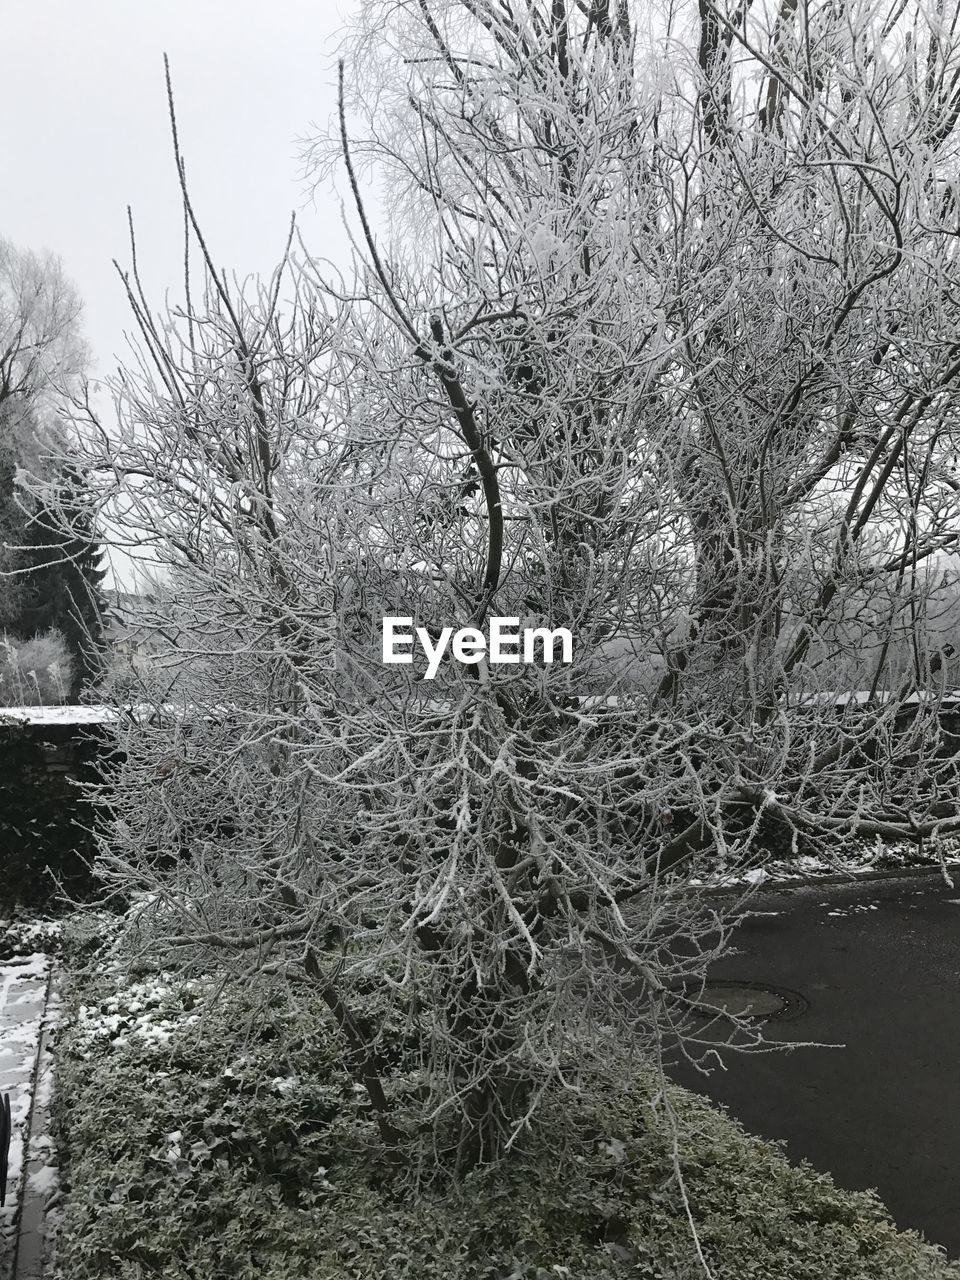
column 226, row 1142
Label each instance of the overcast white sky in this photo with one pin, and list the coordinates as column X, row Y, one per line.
column 85, row 133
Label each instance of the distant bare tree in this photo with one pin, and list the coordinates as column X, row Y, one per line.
column 40, row 344
column 42, row 359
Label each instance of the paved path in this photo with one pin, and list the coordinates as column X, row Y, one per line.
column 879, row 964
column 23, row 992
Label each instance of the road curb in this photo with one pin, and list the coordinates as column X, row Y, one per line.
column 28, row 1251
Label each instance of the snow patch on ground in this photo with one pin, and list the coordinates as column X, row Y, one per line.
column 44, row 1180
column 151, row 1010
column 862, row 857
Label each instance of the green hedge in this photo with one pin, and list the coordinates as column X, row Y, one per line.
column 227, row 1142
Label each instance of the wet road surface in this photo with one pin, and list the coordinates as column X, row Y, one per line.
column 878, row 964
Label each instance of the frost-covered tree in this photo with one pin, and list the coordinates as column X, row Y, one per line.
column 60, row 576
column 663, row 352
column 50, row 569
column 41, row 354
column 40, row 344
column 764, row 196
column 444, row 860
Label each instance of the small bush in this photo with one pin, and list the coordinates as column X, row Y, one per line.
column 35, row 672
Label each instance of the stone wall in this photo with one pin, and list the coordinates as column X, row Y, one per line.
column 45, row 820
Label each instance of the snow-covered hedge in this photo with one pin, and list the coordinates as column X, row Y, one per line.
column 225, row 1142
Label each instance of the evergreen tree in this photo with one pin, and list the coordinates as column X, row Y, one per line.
column 61, row 588
column 13, row 416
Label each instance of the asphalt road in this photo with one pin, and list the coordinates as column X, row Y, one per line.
column 879, row 965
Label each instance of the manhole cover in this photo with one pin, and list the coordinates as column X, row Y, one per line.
column 753, row 1000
